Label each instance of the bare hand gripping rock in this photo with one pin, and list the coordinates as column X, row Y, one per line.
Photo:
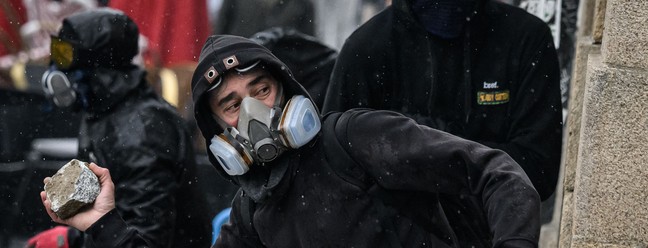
column 71, row 188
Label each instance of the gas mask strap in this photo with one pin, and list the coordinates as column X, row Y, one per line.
column 231, row 135
column 277, row 109
column 279, row 97
column 277, row 113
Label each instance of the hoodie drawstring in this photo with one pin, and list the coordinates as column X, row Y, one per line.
column 467, row 75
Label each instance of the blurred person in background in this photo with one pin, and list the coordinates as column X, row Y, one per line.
column 174, row 31
column 247, row 17
column 44, row 19
column 335, row 20
column 127, row 126
column 305, row 55
column 12, row 16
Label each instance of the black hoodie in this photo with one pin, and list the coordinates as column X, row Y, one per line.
column 309, row 197
column 498, row 84
column 137, row 135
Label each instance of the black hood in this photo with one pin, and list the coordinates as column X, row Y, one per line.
column 310, row 60
column 104, row 42
column 100, row 38
column 215, row 52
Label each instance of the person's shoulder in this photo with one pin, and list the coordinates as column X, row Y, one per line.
column 157, row 127
column 149, row 117
column 155, row 109
column 376, row 22
column 361, row 117
column 345, row 114
column 371, row 33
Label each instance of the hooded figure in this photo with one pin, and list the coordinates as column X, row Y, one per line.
column 479, row 69
column 129, row 129
column 360, row 178
column 304, row 197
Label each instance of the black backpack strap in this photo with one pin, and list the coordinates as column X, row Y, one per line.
column 334, row 136
column 243, row 208
column 248, row 206
column 345, row 167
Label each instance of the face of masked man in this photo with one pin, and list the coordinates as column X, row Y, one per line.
column 257, row 83
column 259, row 124
column 443, row 18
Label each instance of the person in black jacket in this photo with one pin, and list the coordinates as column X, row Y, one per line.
column 478, row 69
column 130, row 129
column 361, row 178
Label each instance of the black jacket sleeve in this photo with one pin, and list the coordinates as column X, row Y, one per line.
column 402, row 155
column 146, row 169
column 238, row 233
column 111, row 231
column 146, row 197
column 533, row 127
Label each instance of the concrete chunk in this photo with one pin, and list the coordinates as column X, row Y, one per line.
column 71, row 188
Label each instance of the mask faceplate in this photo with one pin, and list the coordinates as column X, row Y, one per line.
column 65, row 89
column 264, row 133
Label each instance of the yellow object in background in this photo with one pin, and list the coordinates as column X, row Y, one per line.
column 18, row 77
column 170, row 88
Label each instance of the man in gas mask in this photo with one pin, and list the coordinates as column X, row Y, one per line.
column 128, row 128
column 479, row 69
column 360, row 178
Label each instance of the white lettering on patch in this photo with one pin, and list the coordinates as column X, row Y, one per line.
column 492, row 85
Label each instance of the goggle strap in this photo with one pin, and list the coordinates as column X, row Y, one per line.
column 215, row 85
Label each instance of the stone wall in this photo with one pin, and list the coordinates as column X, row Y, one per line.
column 605, row 202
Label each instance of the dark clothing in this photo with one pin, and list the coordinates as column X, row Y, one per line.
column 148, row 149
column 131, row 131
column 102, row 38
column 320, row 208
column 310, row 60
column 246, row 17
column 498, row 84
column 308, row 197
column 313, row 206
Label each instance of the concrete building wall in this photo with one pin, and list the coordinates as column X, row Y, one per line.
column 605, row 195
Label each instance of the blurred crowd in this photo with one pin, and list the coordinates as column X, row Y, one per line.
column 171, row 32
column 35, row 137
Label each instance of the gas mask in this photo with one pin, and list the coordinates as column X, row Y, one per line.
column 61, row 83
column 264, row 133
column 65, row 88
